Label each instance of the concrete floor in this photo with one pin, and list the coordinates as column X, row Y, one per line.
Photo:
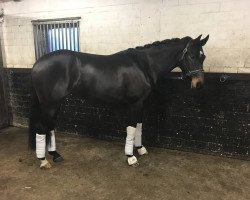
column 95, row 169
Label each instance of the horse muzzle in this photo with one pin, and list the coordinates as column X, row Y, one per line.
column 197, row 80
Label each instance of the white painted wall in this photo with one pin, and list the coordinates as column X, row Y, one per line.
column 108, row 26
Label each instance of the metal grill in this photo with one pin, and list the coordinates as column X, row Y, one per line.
column 55, row 34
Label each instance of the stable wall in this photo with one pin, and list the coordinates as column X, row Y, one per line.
column 113, row 25
column 213, row 120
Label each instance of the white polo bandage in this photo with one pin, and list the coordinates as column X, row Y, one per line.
column 40, row 145
column 52, row 144
column 130, row 140
column 138, row 134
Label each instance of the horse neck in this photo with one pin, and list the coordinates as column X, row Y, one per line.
column 164, row 59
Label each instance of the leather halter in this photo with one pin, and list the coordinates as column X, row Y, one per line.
column 189, row 72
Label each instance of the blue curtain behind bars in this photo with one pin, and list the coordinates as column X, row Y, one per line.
column 63, row 38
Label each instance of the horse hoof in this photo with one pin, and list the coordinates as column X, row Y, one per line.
column 58, row 159
column 56, row 156
column 132, row 161
column 135, row 165
column 142, row 151
column 45, row 164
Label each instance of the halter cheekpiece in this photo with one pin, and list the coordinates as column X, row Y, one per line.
column 188, row 71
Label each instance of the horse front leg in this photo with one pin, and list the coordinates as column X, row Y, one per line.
column 138, row 140
column 129, row 146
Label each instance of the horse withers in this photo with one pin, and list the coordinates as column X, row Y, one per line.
column 125, row 79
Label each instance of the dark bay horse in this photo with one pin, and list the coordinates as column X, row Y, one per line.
column 125, row 78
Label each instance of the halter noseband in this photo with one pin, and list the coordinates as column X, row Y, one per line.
column 182, row 58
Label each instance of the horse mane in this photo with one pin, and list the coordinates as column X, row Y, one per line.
column 161, row 43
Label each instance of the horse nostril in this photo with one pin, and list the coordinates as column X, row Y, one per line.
column 198, row 85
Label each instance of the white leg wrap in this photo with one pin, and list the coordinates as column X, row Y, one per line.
column 130, row 140
column 40, row 145
column 138, row 134
column 52, row 145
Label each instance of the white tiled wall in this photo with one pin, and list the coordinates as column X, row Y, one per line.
column 108, row 26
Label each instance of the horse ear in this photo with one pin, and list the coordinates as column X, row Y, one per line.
column 204, row 41
column 196, row 41
column 198, row 38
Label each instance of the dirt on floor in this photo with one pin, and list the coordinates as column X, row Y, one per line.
column 95, row 169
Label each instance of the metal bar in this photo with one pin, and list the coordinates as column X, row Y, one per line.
column 51, row 42
column 74, row 34
column 62, row 36
column 44, row 40
column 56, row 45
column 69, row 37
column 54, row 37
column 58, row 36
column 66, row 32
column 35, row 40
column 47, row 38
column 39, row 40
column 78, row 35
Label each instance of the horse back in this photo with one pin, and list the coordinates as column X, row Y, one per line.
column 115, row 78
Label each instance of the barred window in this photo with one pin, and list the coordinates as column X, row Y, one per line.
column 55, row 34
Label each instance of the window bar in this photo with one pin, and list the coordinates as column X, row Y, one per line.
column 66, row 35
column 62, row 36
column 54, row 35
column 58, row 35
column 56, row 38
column 44, row 40
column 39, row 40
column 69, row 37
column 74, row 34
column 47, row 38
column 78, row 35
column 50, row 37
column 35, row 40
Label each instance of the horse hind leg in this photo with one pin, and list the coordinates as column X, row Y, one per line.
column 138, row 117
column 40, row 151
column 134, row 135
column 138, row 140
column 48, row 122
column 52, row 147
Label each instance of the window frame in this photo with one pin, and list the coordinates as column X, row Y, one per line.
column 42, row 35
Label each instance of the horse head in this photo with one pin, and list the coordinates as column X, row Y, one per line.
column 192, row 60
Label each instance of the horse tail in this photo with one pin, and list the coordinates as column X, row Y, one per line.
column 34, row 119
